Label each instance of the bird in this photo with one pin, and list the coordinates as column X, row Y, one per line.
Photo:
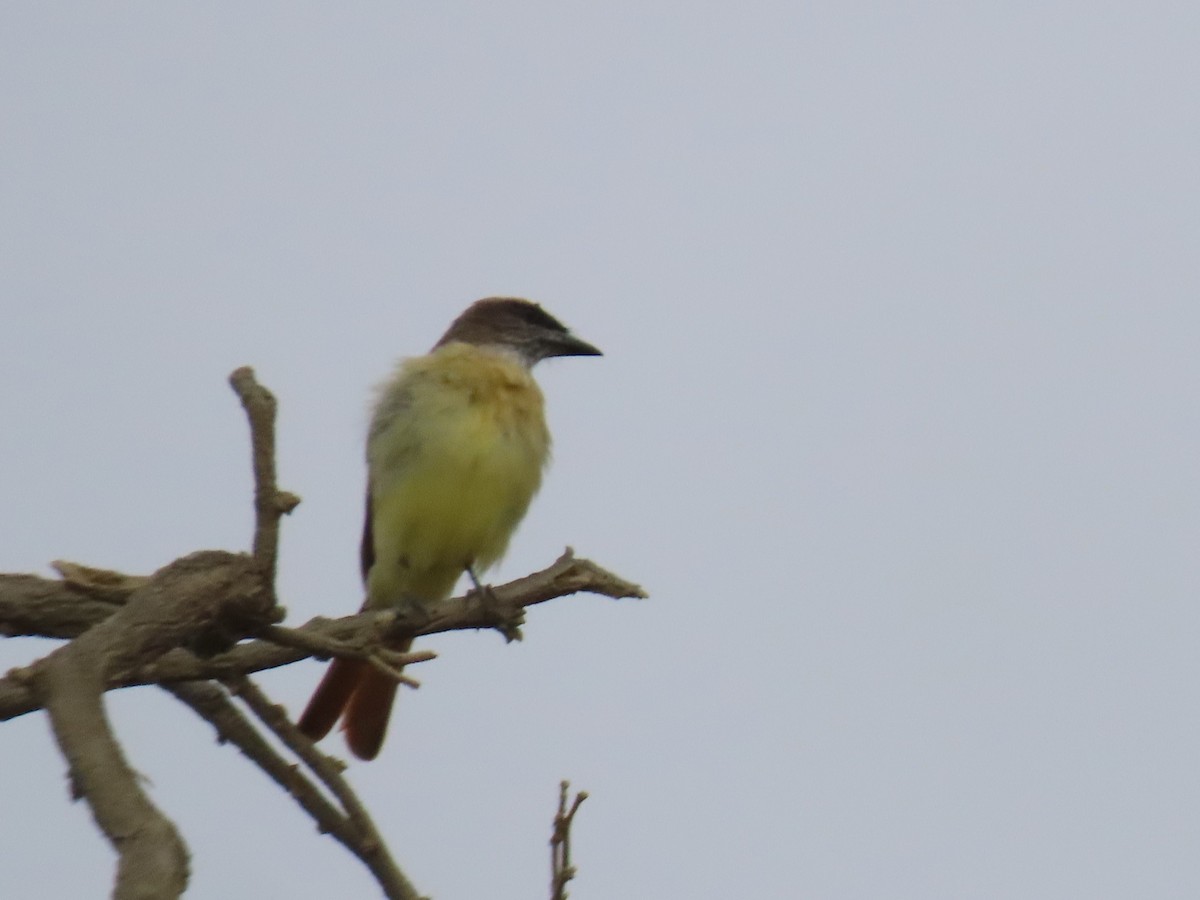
column 456, row 449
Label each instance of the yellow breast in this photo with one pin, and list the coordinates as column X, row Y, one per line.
column 457, row 448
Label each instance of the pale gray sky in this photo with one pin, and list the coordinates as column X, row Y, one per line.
column 897, row 423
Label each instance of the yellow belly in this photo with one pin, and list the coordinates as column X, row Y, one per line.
column 453, row 466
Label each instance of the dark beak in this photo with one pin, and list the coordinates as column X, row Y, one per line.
column 569, row 345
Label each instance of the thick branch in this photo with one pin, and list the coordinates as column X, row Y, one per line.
column 362, row 634
column 70, row 682
column 31, row 606
column 152, row 858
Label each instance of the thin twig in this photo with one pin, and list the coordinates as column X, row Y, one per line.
column 367, row 845
column 321, row 647
column 212, row 704
column 270, row 503
column 392, row 671
column 386, row 660
column 561, row 869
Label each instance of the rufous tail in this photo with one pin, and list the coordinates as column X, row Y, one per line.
column 360, row 695
column 331, row 696
column 367, row 713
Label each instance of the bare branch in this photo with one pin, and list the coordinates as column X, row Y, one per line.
column 211, row 702
column 360, row 837
column 357, row 636
column 206, row 600
column 350, row 825
column 324, row 648
column 503, row 607
column 561, row 870
column 270, row 504
column 167, row 610
column 152, row 858
column 103, row 584
column 32, row 606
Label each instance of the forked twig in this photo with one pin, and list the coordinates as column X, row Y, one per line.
column 561, row 869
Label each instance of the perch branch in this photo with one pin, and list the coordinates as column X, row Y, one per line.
column 359, row 635
column 383, row 658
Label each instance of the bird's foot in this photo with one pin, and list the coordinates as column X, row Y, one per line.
column 505, row 619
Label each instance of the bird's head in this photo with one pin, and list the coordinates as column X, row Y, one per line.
column 516, row 325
